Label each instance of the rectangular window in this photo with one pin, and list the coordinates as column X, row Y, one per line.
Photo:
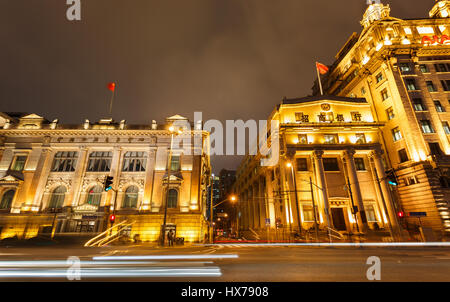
column 379, row 77
column 445, row 85
column 384, row 94
column 411, row 84
column 424, row 68
column 360, row 138
column 426, row 126
column 330, row 164
column 430, row 86
column 396, row 134
column 308, row 213
column 99, row 161
column 404, row 67
column 435, row 149
column 439, row 107
column 302, row 138
column 390, row 113
column 370, row 213
column 331, row 138
column 418, row 105
column 441, row 67
column 411, row 180
column 134, row 162
column 65, row 161
column 446, row 127
column 175, row 163
column 359, row 163
column 18, row 163
column 402, row 155
column 302, row 164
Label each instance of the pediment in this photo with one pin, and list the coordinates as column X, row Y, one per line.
column 32, row 116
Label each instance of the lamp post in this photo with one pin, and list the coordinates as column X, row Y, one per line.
column 232, row 198
column 169, row 160
column 289, row 165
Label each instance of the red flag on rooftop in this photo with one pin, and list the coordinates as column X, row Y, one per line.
column 112, row 86
column 323, row 69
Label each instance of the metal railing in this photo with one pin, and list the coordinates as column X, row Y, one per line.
column 107, row 236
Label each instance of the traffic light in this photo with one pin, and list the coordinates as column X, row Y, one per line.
column 392, row 178
column 112, row 218
column 108, row 183
column 400, row 214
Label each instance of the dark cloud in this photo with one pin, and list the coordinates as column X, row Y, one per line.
column 229, row 59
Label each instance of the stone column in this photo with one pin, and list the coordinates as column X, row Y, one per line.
column 149, row 179
column 256, row 210
column 322, row 184
column 40, row 176
column 261, row 202
column 270, row 202
column 355, row 188
column 376, row 156
column 75, row 197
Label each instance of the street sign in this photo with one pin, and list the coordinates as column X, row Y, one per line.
column 267, row 221
column 417, row 214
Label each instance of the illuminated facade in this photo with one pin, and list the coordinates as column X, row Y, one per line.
column 52, row 177
column 326, row 144
column 402, row 68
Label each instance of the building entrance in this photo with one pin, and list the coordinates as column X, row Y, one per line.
column 338, row 219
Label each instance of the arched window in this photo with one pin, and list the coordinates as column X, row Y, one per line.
column 57, row 198
column 173, row 199
column 94, row 195
column 7, row 199
column 131, row 197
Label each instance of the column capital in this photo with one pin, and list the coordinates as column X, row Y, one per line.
column 349, row 153
column 376, row 153
column 318, row 154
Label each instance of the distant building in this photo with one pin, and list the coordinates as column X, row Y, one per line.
column 52, row 178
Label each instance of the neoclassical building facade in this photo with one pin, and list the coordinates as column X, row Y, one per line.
column 402, row 68
column 52, row 177
column 331, row 171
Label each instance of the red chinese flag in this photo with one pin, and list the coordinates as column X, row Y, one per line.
column 112, row 86
column 323, row 69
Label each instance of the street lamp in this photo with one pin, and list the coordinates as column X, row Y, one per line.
column 169, row 160
column 231, row 198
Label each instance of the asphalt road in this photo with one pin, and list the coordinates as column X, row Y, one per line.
column 223, row 263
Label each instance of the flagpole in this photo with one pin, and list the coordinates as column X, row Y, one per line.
column 111, row 102
column 320, row 82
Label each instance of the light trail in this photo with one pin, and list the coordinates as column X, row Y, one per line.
column 349, row 244
column 64, row 263
column 165, row 257
column 105, row 273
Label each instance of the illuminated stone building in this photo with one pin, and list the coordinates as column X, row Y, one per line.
column 326, row 143
column 402, row 68
column 52, row 177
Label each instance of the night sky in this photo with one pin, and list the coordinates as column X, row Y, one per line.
column 230, row 59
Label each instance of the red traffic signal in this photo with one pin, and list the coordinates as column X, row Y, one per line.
column 401, row 214
column 112, row 218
